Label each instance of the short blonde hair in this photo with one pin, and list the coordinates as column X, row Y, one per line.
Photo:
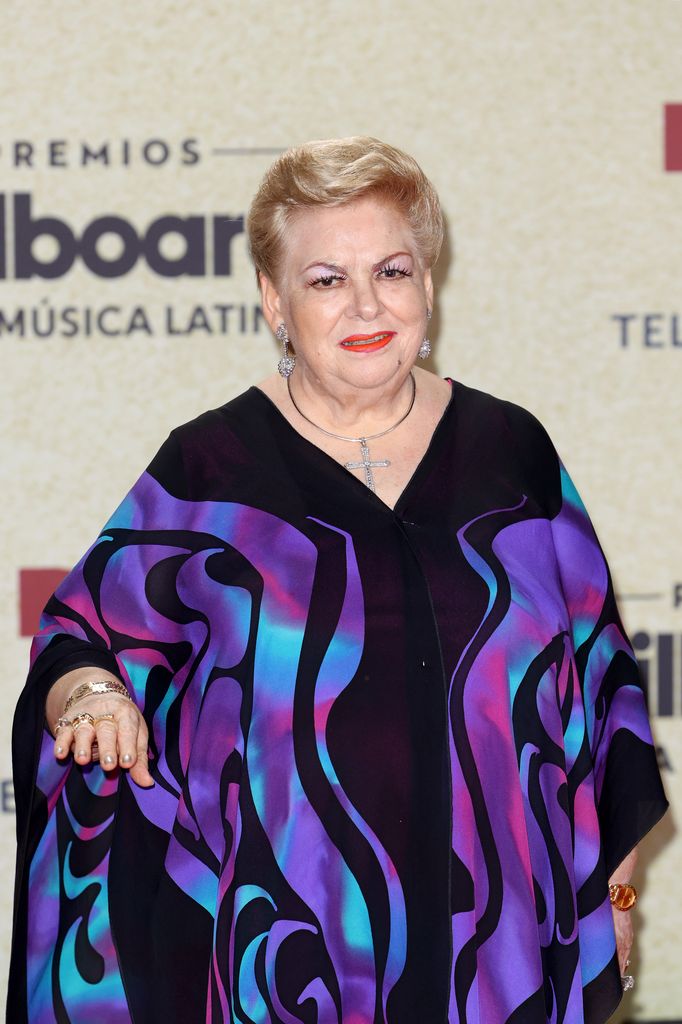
column 333, row 172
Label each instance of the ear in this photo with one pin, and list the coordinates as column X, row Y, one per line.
column 428, row 287
column 271, row 302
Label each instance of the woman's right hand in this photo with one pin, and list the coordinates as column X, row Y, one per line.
column 119, row 731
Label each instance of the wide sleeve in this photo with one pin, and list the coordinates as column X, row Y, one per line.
column 109, row 613
column 628, row 788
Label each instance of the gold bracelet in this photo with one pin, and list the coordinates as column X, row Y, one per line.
column 623, row 896
column 97, row 686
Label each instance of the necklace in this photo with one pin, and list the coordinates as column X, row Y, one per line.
column 366, row 463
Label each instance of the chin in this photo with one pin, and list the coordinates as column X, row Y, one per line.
column 373, row 370
column 373, row 373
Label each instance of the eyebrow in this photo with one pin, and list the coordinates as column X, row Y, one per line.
column 331, row 265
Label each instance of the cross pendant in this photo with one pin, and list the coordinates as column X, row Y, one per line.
column 367, row 464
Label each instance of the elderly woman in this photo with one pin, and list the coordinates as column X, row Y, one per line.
column 360, row 621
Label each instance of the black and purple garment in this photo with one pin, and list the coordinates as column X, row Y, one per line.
column 397, row 752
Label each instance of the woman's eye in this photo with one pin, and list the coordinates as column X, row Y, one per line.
column 393, row 272
column 326, row 280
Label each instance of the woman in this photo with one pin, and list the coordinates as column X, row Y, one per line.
column 399, row 744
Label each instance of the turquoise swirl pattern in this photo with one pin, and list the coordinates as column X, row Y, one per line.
column 389, row 745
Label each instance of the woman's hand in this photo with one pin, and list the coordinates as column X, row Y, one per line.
column 119, row 731
column 622, row 919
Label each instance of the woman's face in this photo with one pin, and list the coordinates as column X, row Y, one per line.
column 353, row 293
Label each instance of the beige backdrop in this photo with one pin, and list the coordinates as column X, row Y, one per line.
column 541, row 124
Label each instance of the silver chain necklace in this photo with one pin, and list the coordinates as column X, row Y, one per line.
column 367, row 463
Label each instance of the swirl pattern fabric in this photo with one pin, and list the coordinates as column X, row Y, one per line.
column 396, row 752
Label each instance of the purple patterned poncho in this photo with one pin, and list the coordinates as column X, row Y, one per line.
column 397, row 752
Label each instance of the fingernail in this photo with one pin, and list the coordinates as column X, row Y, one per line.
column 60, row 749
column 127, row 758
column 108, row 759
column 81, row 753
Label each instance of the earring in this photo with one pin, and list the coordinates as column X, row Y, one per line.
column 425, row 347
column 287, row 363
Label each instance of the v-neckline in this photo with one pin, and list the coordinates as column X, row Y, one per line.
column 373, row 496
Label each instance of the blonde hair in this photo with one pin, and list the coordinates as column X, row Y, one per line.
column 333, row 172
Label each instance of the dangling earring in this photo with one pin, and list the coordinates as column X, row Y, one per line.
column 287, row 363
column 425, row 347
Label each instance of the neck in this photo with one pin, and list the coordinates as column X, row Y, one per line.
column 348, row 410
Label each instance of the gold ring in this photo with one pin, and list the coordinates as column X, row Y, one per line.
column 623, row 895
column 83, row 719
column 107, row 717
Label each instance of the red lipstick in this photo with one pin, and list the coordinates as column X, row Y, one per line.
column 367, row 342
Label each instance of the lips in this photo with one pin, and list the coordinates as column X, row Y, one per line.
column 367, row 342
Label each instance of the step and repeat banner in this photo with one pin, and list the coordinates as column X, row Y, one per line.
column 132, row 138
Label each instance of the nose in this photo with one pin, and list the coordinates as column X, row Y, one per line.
column 364, row 301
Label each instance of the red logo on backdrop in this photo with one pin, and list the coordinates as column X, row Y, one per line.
column 673, row 136
column 36, row 586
